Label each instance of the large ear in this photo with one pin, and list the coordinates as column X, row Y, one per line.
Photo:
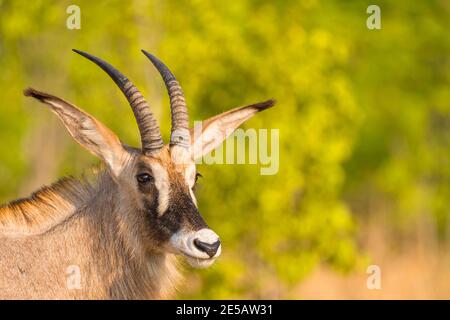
column 209, row 134
column 86, row 130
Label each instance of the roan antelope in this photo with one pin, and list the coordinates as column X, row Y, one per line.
column 120, row 232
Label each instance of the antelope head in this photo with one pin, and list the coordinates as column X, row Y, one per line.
column 156, row 182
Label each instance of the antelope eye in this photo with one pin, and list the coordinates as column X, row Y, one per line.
column 144, row 178
column 198, row 175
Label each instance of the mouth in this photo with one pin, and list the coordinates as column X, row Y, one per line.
column 198, row 263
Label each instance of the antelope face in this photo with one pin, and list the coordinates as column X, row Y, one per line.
column 165, row 191
column 161, row 177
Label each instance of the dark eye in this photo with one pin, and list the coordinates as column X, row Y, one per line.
column 144, row 178
column 198, row 175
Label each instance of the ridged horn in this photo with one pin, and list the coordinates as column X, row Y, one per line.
column 148, row 126
column 180, row 119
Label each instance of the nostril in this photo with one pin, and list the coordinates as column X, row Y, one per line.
column 209, row 248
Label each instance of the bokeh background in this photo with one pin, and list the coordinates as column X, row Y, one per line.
column 363, row 117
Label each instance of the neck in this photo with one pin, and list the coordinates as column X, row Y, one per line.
column 112, row 233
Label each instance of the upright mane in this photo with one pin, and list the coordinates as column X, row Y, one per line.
column 45, row 208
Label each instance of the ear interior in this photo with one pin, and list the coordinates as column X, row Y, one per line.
column 209, row 134
column 86, row 130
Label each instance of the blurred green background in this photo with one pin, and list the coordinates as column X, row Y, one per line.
column 363, row 117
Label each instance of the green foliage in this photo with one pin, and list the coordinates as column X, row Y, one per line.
column 359, row 112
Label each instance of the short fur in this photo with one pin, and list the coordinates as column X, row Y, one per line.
column 114, row 237
column 82, row 224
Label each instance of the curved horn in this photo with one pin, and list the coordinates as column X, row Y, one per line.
column 180, row 119
column 148, row 127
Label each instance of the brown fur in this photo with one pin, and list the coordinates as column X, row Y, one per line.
column 83, row 224
column 115, row 230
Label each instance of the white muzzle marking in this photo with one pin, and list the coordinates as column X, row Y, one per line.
column 183, row 243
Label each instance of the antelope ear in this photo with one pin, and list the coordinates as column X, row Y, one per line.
column 209, row 134
column 86, row 130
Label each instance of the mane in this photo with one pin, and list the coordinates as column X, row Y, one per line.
column 45, row 208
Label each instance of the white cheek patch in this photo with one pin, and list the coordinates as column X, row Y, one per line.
column 163, row 185
column 189, row 175
column 194, row 199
